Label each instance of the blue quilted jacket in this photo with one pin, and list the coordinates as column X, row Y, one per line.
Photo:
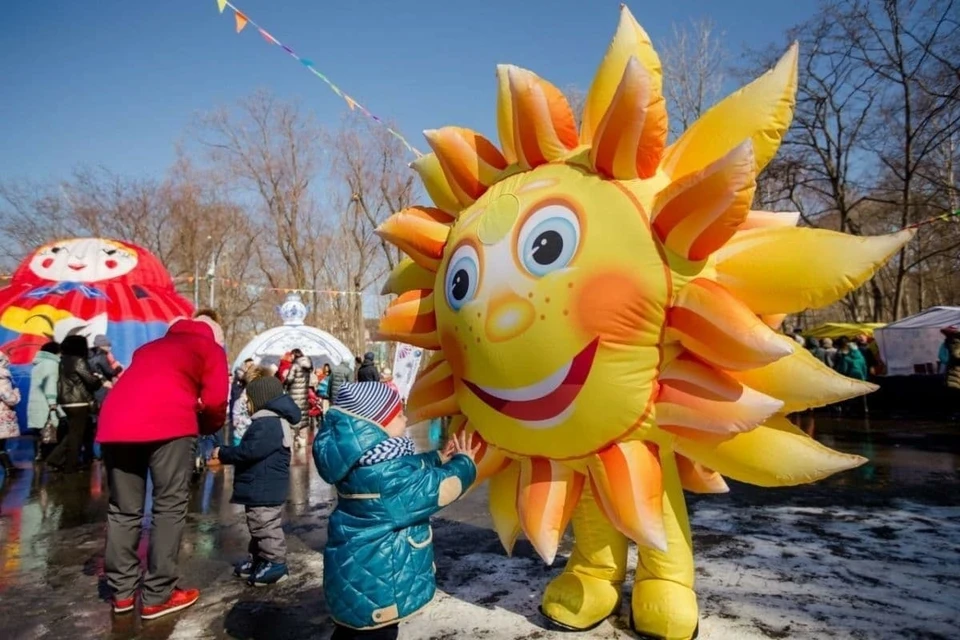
column 378, row 563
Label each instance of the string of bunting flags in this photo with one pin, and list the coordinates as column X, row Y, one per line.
column 242, row 20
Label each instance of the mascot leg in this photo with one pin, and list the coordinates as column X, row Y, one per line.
column 664, row 604
column 588, row 590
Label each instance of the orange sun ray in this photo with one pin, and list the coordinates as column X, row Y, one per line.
column 697, row 397
column 411, row 319
column 420, row 232
column 433, row 394
column 696, row 215
column 546, row 497
column 761, row 219
column 697, row 478
column 470, row 162
column 715, row 326
column 543, row 125
column 627, row 481
column 633, row 132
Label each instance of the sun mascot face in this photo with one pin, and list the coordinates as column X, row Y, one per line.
column 604, row 306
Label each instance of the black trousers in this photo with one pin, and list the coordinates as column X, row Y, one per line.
column 383, row 633
column 67, row 453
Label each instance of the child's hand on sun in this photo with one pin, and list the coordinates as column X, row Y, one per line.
column 464, row 443
column 447, row 452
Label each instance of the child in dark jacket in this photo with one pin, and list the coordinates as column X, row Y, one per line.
column 378, row 562
column 262, row 478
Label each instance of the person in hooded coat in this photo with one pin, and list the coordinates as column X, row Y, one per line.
column 368, row 370
column 76, row 387
column 297, row 385
column 175, row 389
column 42, row 401
column 9, row 399
column 378, row 560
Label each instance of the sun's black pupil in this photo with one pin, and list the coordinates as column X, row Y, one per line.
column 461, row 284
column 547, row 247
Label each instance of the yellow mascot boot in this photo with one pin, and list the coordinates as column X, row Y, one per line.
column 588, row 590
column 664, row 604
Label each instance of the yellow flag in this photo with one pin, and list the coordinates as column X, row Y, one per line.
column 241, row 21
column 222, row 4
column 350, row 102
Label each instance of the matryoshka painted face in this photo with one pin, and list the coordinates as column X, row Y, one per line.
column 83, row 260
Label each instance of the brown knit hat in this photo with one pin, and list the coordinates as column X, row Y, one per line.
column 262, row 390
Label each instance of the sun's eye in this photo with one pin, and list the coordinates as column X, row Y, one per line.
column 463, row 276
column 548, row 240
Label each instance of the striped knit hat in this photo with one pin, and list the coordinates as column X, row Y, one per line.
column 374, row 401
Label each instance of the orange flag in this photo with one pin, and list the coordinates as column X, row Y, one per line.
column 350, row 102
column 222, row 4
column 241, row 21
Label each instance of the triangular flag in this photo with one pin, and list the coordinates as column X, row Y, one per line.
column 222, row 4
column 350, row 102
column 241, row 21
column 266, row 36
column 306, row 63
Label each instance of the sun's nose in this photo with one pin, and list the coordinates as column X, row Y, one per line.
column 508, row 315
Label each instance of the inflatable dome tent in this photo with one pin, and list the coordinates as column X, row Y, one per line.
column 320, row 346
column 87, row 286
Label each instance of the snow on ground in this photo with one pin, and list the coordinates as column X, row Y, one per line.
column 763, row 572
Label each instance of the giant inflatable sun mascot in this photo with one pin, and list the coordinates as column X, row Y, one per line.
column 604, row 310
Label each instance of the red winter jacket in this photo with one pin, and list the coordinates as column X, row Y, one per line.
column 176, row 386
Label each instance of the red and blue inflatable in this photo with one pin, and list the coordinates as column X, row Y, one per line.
column 87, row 286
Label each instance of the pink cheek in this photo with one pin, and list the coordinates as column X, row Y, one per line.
column 46, row 264
column 111, row 264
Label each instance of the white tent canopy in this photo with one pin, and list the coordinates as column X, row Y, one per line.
column 320, row 346
column 912, row 345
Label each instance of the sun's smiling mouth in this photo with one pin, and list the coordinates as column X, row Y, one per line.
column 539, row 404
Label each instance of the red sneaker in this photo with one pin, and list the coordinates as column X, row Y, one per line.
column 123, row 606
column 180, row 599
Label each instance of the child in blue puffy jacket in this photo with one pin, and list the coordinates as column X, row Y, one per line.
column 378, row 563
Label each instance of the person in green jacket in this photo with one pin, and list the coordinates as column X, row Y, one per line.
column 849, row 361
column 378, row 562
column 42, row 401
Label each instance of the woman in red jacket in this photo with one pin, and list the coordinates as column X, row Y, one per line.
column 175, row 389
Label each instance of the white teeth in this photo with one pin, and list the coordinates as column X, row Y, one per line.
column 534, row 391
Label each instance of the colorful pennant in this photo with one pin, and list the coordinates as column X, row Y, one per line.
column 242, row 20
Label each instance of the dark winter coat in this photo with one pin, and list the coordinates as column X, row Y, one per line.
column 368, row 370
column 339, row 375
column 77, row 384
column 100, row 366
column 262, row 459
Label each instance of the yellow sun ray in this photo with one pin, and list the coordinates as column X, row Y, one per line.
column 630, row 40
column 408, row 276
column 503, row 506
column 435, row 182
column 761, row 111
column 787, row 270
column 775, row 454
column 763, row 219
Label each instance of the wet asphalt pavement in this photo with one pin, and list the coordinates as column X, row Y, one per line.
column 52, row 537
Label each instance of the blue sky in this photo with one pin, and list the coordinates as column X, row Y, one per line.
column 115, row 82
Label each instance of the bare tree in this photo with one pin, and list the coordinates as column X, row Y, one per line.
column 693, row 62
